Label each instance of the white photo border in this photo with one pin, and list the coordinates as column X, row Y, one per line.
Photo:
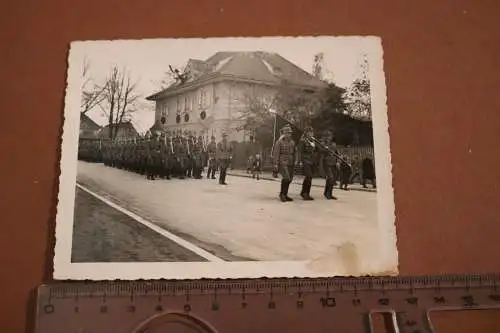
column 65, row 269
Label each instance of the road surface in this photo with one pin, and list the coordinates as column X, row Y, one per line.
column 241, row 221
column 104, row 234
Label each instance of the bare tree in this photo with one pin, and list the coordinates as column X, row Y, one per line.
column 119, row 99
column 92, row 94
column 296, row 104
column 358, row 96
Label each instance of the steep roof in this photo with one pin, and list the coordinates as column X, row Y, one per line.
column 122, row 128
column 266, row 67
column 88, row 123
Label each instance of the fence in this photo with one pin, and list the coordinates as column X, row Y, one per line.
column 240, row 158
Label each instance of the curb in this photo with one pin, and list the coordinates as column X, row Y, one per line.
column 297, row 183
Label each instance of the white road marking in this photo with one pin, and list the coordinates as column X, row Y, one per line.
column 176, row 239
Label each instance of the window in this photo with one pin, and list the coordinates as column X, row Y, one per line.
column 202, row 96
column 203, row 99
column 164, row 109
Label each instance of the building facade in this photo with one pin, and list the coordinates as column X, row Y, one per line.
column 213, row 96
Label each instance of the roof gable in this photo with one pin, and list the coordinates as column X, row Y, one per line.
column 88, row 123
column 253, row 65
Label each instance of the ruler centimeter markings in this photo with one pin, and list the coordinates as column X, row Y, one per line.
column 292, row 305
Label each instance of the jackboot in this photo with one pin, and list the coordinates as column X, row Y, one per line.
column 304, row 188
column 308, row 191
column 330, row 190
column 282, row 191
column 287, row 186
column 326, row 191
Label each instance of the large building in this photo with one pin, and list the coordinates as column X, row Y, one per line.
column 212, row 95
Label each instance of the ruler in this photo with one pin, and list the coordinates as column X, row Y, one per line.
column 262, row 305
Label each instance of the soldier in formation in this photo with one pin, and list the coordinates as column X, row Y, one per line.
column 307, row 151
column 212, row 158
column 89, row 151
column 329, row 163
column 224, row 152
column 284, row 161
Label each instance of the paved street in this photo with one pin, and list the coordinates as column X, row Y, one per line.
column 241, row 221
column 103, row 234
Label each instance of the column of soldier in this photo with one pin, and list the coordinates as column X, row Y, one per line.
column 162, row 155
column 287, row 153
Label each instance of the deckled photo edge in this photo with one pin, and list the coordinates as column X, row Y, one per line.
column 64, row 269
column 68, row 164
column 383, row 160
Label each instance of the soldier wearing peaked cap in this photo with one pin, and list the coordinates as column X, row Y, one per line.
column 329, row 163
column 181, row 152
column 197, row 157
column 284, row 161
column 224, row 152
column 306, row 150
column 188, row 166
column 212, row 158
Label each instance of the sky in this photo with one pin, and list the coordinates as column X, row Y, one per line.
column 147, row 60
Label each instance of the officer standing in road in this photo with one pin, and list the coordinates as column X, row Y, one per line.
column 307, row 149
column 197, row 157
column 212, row 158
column 284, row 161
column 329, row 161
column 224, row 151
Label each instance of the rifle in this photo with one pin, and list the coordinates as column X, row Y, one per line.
column 316, row 141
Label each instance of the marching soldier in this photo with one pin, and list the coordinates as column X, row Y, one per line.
column 169, row 154
column 142, row 155
column 307, row 149
column 148, row 156
column 197, row 155
column 189, row 159
column 181, row 152
column 164, row 153
column 224, row 152
column 212, row 158
column 329, row 162
column 283, row 161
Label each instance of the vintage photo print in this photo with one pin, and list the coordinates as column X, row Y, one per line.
column 225, row 158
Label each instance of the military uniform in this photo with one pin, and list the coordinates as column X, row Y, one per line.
column 284, row 161
column 197, row 156
column 181, row 152
column 189, row 157
column 212, row 158
column 329, row 163
column 307, row 151
column 224, row 151
column 167, row 156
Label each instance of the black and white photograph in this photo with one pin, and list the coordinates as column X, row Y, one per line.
column 242, row 157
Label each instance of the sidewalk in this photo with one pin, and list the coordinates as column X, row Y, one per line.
column 316, row 182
